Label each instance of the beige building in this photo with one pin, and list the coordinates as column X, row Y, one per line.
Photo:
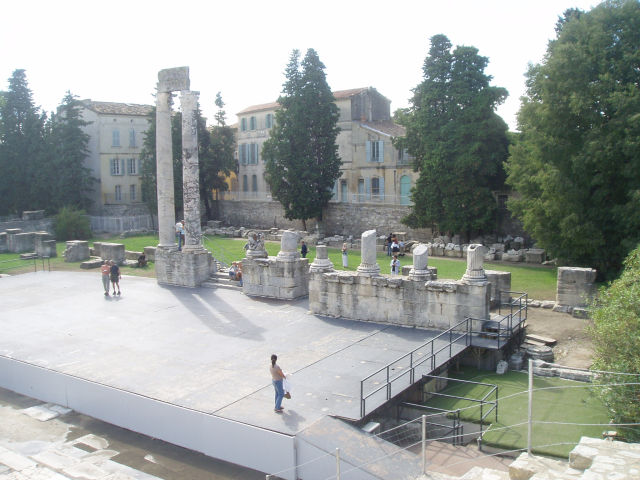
column 373, row 170
column 116, row 135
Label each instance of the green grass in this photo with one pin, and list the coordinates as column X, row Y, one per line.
column 554, row 400
column 538, row 282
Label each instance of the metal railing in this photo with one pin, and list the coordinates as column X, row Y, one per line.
column 464, row 326
column 6, row 265
column 502, row 330
column 453, row 431
column 493, row 405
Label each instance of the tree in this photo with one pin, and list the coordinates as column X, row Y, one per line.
column 302, row 162
column 458, row 141
column 616, row 323
column 21, row 147
column 576, row 167
column 216, row 152
column 67, row 147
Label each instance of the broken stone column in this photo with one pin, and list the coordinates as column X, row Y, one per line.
column 368, row 263
column 321, row 263
column 255, row 246
column 475, row 264
column 420, row 271
column 289, row 247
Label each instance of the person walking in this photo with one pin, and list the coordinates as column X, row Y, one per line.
column 345, row 258
column 277, row 376
column 303, row 250
column 180, row 234
column 105, row 269
column 115, row 277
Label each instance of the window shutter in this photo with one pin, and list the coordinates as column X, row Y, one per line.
column 381, row 151
column 257, row 153
column 382, row 188
column 335, row 190
column 122, row 166
column 367, row 183
column 368, row 151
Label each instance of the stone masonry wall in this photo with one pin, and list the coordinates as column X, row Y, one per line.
column 340, row 218
column 397, row 300
column 274, row 278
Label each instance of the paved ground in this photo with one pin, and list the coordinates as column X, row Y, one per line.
column 39, row 442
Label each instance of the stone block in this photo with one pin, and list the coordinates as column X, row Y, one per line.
column 112, row 251
column 47, row 248
column 500, row 282
column 76, row 251
column 576, row 286
column 33, row 215
column 131, row 255
column 582, row 456
column 21, row 242
column 3, row 242
column 150, row 252
column 91, row 263
column 579, row 312
column 535, row 255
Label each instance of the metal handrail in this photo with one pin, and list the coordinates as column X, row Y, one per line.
column 413, row 364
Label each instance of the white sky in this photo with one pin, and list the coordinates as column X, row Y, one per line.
column 112, row 51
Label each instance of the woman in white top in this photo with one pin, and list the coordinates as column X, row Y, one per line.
column 345, row 259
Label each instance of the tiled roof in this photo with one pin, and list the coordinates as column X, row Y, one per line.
column 113, row 108
column 338, row 94
column 387, row 128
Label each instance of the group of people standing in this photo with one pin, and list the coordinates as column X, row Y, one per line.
column 110, row 274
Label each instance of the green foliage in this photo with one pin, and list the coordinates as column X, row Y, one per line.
column 576, row 166
column 302, row 162
column 216, row 155
column 70, row 181
column 72, row 224
column 22, row 148
column 458, row 142
column 616, row 339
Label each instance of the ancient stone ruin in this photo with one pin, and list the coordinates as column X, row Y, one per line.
column 193, row 265
column 419, row 300
column 285, row 276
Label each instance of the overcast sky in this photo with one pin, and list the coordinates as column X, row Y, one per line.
column 112, row 51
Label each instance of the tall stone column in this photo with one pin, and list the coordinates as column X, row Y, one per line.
column 164, row 166
column 190, row 172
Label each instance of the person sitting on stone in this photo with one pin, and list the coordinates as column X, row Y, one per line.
column 142, row 260
column 232, row 271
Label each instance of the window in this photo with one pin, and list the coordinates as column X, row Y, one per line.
column 268, row 121
column 254, row 153
column 405, row 190
column 118, row 193
column 115, row 138
column 132, row 138
column 243, row 125
column 360, row 189
column 343, row 191
column 245, row 184
column 132, row 166
column 116, row 166
column 375, row 186
column 254, row 183
column 242, row 154
column 375, row 151
column 132, row 193
column 252, row 123
column 403, row 157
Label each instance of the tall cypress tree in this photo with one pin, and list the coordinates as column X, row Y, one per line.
column 302, row 162
column 68, row 148
column 21, row 147
column 458, row 141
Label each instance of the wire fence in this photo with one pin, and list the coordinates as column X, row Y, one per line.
column 37, row 261
column 538, row 425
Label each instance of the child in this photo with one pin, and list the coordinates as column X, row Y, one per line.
column 395, row 265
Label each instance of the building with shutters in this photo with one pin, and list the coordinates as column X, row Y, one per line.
column 116, row 134
column 373, row 170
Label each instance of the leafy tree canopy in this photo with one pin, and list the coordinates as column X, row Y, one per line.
column 458, row 141
column 576, row 166
column 616, row 323
column 302, row 162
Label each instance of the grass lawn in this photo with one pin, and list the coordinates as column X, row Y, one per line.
column 554, row 400
column 538, row 282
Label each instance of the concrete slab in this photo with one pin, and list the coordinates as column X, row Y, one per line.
column 203, row 349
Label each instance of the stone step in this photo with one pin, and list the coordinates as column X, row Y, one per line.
column 532, row 467
column 215, row 282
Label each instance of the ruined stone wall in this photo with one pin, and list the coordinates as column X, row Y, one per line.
column 36, row 225
column 396, row 300
column 340, row 218
column 274, row 278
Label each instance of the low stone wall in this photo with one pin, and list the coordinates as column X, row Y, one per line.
column 275, row 278
column 397, row 300
column 339, row 218
column 122, row 223
column 28, row 225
